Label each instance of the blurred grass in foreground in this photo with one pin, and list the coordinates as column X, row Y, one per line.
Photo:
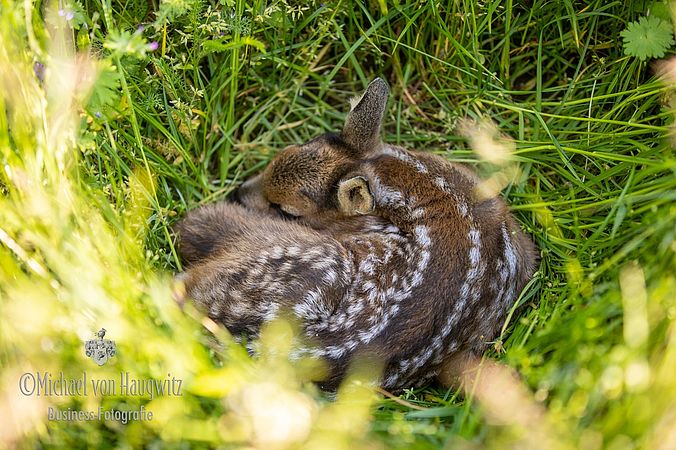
column 71, row 264
column 104, row 141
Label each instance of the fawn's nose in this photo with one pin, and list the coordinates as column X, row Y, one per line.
column 250, row 194
column 234, row 196
column 245, row 191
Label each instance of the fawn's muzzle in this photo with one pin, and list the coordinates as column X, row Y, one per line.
column 250, row 194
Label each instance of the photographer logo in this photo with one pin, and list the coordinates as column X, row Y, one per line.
column 100, row 350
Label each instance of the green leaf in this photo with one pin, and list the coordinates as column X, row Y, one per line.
column 650, row 37
column 106, row 91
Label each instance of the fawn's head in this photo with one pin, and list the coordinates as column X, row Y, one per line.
column 306, row 179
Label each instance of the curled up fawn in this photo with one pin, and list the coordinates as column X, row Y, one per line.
column 376, row 250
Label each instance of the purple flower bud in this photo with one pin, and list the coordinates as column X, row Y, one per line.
column 153, row 46
column 70, row 15
column 97, row 114
column 140, row 29
column 62, row 12
column 39, row 71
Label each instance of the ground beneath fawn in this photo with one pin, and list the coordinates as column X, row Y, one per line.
column 377, row 251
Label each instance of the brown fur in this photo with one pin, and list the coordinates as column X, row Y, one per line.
column 389, row 253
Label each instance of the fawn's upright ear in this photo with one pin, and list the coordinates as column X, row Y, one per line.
column 362, row 127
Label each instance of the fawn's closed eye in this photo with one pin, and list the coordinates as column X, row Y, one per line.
column 283, row 211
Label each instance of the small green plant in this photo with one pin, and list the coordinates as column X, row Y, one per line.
column 650, row 37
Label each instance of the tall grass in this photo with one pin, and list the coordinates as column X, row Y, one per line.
column 117, row 137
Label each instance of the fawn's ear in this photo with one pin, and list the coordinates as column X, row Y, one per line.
column 362, row 127
column 354, row 196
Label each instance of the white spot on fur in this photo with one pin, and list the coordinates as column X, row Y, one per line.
column 461, row 204
column 418, row 213
column 277, row 252
column 386, row 195
column 474, row 262
column 405, row 156
column 293, row 251
column 271, row 312
column 313, row 307
column 510, row 254
column 330, row 276
column 462, row 207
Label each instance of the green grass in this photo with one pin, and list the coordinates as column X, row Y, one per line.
column 232, row 83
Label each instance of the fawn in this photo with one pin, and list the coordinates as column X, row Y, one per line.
column 375, row 249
